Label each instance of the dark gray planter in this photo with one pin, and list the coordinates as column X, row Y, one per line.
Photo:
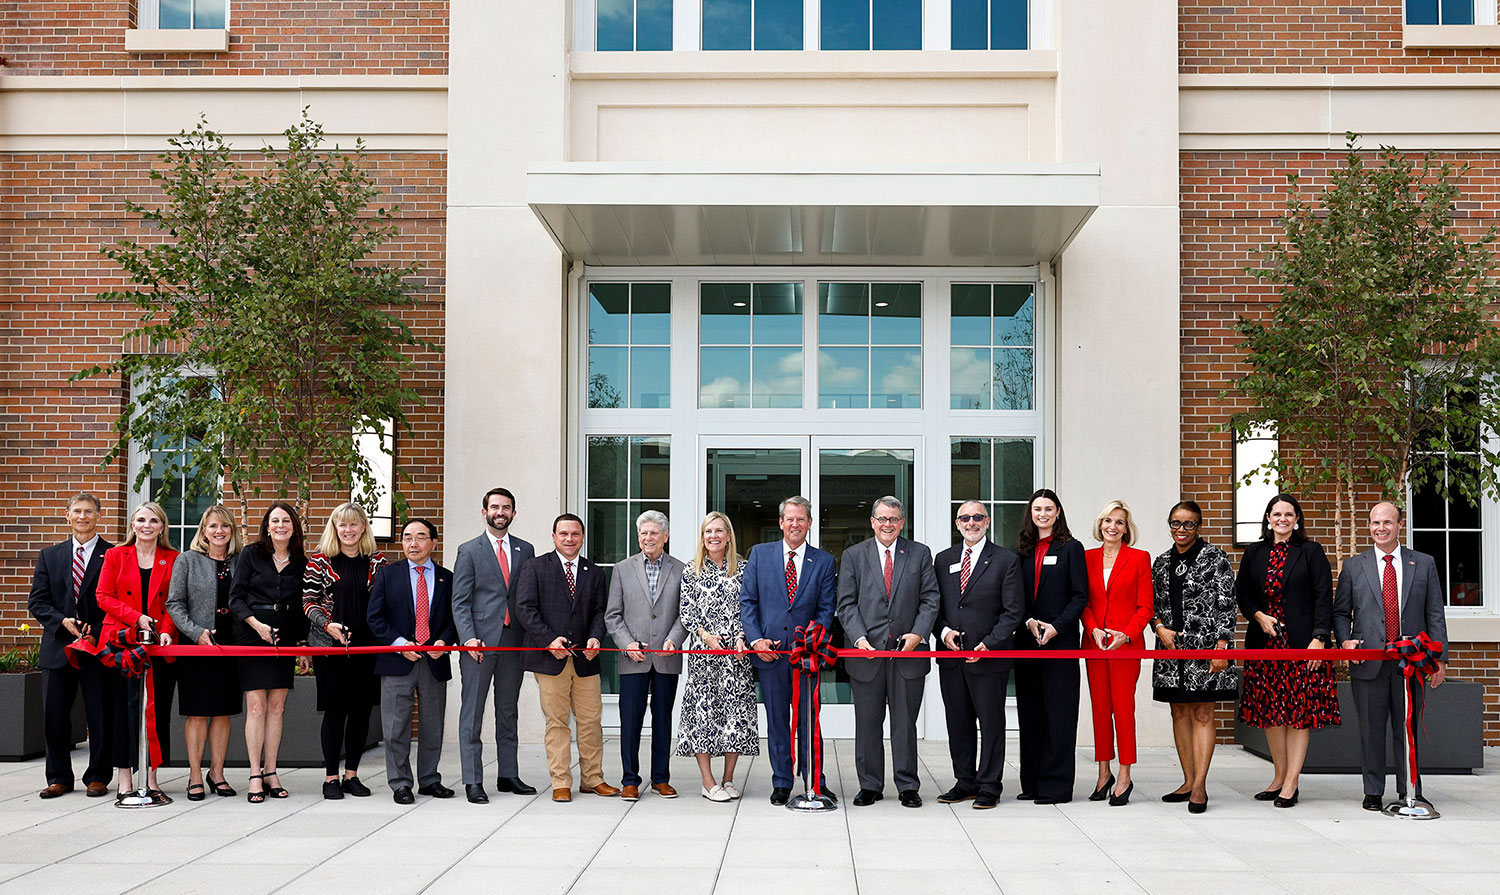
column 21, row 707
column 1450, row 737
column 301, row 746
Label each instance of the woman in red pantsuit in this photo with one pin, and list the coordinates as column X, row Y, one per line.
column 1120, row 604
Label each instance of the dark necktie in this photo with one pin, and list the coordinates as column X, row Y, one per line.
column 572, row 582
column 791, row 577
column 1392, row 605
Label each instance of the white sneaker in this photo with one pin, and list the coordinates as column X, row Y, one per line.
column 728, row 787
column 717, row 794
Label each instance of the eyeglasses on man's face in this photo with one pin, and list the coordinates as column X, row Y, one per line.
column 887, row 520
column 972, row 517
column 1183, row 524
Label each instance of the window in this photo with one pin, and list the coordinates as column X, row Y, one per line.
column 171, row 486
column 1253, row 490
column 184, row 14
column 377, row 444
column 752, row 24
column 751, row 345
column 1439, row 12
column 869, row 345
column 629, row 344
column 989, row 24
column 633, row 25
column 1451, row 530
column 871, row 24
column 1000, row 472
column 992, row 354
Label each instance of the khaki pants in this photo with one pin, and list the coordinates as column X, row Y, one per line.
column 561, row 693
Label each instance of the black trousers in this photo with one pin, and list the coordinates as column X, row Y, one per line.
column 634, row 690
column 969, row 697
column 1047, row 708
column 60, row 687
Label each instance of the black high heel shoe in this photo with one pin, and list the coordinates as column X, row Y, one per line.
column 1102, row 792
column 1122, row 798
column 1288, row 802
column 1267, row 795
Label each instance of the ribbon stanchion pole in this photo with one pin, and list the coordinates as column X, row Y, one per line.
column 1418, row 658
column 812, row 651
column 144, row 796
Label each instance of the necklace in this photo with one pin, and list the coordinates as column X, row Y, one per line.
column 281, row 560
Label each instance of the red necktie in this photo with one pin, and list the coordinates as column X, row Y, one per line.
column 77, row 576
column 1392, row 606
column 963, row 573
column 791, row 577
column 504, row 573
column 888, row 571
column 422, row 609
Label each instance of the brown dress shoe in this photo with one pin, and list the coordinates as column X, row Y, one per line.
column 664, row 790
column 630, row 793
column 98, row 790
column 54, row 790
column 562, row 795
column 604, row 789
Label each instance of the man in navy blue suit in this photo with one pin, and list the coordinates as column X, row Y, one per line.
column 411, row 606
column 786, row 584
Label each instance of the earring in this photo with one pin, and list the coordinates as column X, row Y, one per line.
column 1298, row 525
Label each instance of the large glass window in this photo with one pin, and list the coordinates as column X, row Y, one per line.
column 1252, row 489
column 989, row 24
column 633, row 25
column 993, row 333
column 629, row 344
column 170, row 462
column 1439, row 12
column 187, row 13
column 1451, row 530
column 752, row 24
column 377, row 444
column 869, row 345
column 871, row 24
column 1000, row 473
column 750, row 337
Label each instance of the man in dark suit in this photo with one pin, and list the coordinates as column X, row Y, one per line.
column 1385, row 593
column 411, row 605
column 887, row 600
column 785, row 585
column 485, row 614
column 560, row 599
column 980, row 610
column 62, row 602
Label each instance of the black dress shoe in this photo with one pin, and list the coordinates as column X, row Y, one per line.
column 403, row 796
column 957, row 795
column 829, row 794
column 1180, row 796
column 515, row 785
column 332, row 790
column 780, row 795
column 1372, row 803
column 910, row 798
column 1024, row 796
column 985, row 800
column 1122, row 798
column 1048, row 800
column 474, row 792
column 1267, row 795
column 1102, row 792
column 1290, row 801
column 868, row 797
column 436, row 790
column 353, row 787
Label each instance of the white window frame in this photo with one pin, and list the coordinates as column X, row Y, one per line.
column 378, row 447
column 148, row 16
column 140, row 457
column 1260, row 446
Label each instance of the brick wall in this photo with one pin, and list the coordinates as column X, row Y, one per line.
column 56, row 212
column 1307, row 36
column 1230, row 202
column 322, row 37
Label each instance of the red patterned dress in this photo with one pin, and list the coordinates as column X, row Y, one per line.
column 1286, row 694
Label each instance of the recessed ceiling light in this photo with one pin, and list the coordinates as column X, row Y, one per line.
column 882, row 304
column 739, row 304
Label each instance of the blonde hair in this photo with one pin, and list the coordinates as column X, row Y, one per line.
column 1131, row 532
column 700, row 557
column 223, row 514
column 330, row 545
column 164, row 539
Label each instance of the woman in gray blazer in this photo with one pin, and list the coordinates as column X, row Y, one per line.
column 208, row 691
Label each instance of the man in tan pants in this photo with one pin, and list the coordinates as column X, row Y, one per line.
column 561, row 598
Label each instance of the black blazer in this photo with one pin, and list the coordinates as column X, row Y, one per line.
column 392, row 616
column 547, row 611
column 1059, row 599
column 1307, row 593
column 51, row 598
column 989, row 611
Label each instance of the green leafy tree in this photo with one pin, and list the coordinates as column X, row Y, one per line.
column 1380, row 358
column 272, row 329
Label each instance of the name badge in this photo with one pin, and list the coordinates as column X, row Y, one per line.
column 1049, row 560
column 955, row 568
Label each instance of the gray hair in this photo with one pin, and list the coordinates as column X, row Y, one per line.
column 892, row 502
column 652, row 516
column 797, row 501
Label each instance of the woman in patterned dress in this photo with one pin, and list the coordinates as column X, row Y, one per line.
column 1193, row 584
column 1285, row 590
column 718, row 702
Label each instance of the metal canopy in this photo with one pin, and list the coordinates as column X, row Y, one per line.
column 614, row 214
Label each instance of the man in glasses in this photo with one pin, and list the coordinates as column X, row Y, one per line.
column 980, row 607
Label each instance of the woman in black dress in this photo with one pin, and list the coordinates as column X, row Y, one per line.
column 1055, row 581
column 1285, row 590
column 336, row 600
column 266, row 598
column 208, row 688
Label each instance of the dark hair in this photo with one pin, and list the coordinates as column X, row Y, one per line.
column 299, row 556
column 484, row 502
column 1190, row 505
column 1026, row 543
column 566, row 517
column 1299, row 531
column 418, row 520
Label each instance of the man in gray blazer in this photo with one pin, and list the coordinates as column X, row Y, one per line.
column 644, row 599
column 484, row 612
column 887, row 600
column 1387, row 572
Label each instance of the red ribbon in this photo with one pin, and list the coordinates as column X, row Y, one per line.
column 812, row 651
column 1419, row 657
column 131, row 659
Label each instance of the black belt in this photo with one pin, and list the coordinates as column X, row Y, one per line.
column 272, row 607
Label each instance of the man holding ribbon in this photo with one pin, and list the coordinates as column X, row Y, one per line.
column 1384, row 594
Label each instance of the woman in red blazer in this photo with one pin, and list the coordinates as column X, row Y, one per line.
column 1119, row 606
column 133, row 594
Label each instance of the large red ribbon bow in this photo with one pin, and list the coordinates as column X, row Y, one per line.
column 812, row 651
column 124, row 653
column 1419, row 657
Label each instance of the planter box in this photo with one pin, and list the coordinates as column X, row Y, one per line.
column 1452, row 743
column 301, row 746
column 21, row 707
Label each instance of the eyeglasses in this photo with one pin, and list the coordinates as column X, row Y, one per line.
column 972, row 517
column 1188, row 525
column 887, row 520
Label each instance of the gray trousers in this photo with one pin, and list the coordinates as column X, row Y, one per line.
column 500, row 674
column 871, row 698
column 396, row 700
column 1380, row 703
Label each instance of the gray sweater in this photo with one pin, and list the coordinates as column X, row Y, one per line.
column 193, row 596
